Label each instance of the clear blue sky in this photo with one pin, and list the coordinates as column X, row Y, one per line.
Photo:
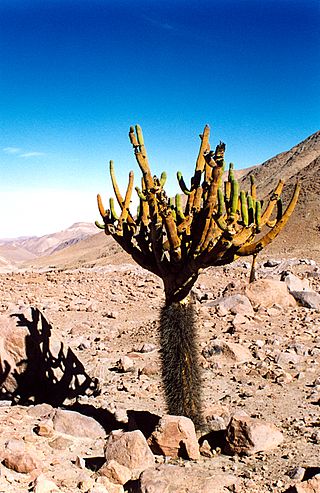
column 74, row 75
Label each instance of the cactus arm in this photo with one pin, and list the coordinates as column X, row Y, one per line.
column 234, row 198
column 126, row 204
column 182, row 184
column 140, row 194
column 140, row 152
column 179, row 209
column 163, row 179
column 253, row 191
column 200, row 163
column 244, row 208
column 256, row 247
column 102, row 210
column 117, row 190
column 99, row 225
column 114, row 215
column 272, row 202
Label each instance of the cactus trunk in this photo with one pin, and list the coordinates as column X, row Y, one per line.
column 181, row 374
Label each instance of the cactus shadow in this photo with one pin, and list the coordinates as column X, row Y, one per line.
column 52, row 371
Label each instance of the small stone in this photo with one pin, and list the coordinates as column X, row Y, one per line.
column 205, row 449
column 125, row 364
column 17, row 458
column 235, row 304
column 147, row 347
column 247, row 435
column 129, row 449
column 175, row 436
column 108, row 485
column 297, row 473
column 115, row 472
column 45, row 428
column 43, row 485
column 76, row 424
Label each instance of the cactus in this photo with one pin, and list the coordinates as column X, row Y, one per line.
column 176, row 242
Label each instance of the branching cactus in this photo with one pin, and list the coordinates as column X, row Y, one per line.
column 213, row 225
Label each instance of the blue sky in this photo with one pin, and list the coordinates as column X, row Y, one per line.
column 74, row 75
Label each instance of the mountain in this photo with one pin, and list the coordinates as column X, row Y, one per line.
column 301, row 235
column 26, row 249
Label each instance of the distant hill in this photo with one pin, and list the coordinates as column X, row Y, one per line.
column 301, row 236
column 25, row 249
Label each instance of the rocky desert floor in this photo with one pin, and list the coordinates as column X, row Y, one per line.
column 260, row 359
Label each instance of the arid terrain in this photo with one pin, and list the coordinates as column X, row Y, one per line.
column 90, row 345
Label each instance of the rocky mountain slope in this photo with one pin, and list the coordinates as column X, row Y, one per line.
column 25, row 249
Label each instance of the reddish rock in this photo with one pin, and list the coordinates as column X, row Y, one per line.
column 129, row 449
column 310, row 486
column 167, row 478
column 115, row 472
column 268, row 292
column 43, row 485
column 247, row 435
column 76, row 424
column 175, row 436
column 18, row 458
column 237, row 304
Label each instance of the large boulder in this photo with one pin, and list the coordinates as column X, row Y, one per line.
column 269, row 292
column 130, row 449
column 175, row 436
column 246, row 435
column 35, row 365
column 174, row 479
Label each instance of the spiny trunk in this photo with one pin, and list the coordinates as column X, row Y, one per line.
column 181, row 374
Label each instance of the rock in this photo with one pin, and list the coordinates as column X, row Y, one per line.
column 267, row 292
column 45, row 428
column 110, row 487
column 43, row 485
column 18, row 458
column 247, row 435
column 115, row 472
column 294, row 283
column 35, row 363
column 129, row 449
column 301, row 291
column 125, row 364
column 308, row 299
column 217, row 416
column 230, row 351
column 297, row 473
column 148, row 347
column 60, row 443
column 76, row 424
column 175, row 436
column 167, row 478
column 235, row 304
column 310, row 486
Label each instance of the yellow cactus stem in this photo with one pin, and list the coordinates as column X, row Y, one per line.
column 265, row 240
column 253, row 190
column 101, row 208
column 140, row 194
column 117, row 190
column 125, row 207
column 163, row 179
column 272, row 202
column 114, row 215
